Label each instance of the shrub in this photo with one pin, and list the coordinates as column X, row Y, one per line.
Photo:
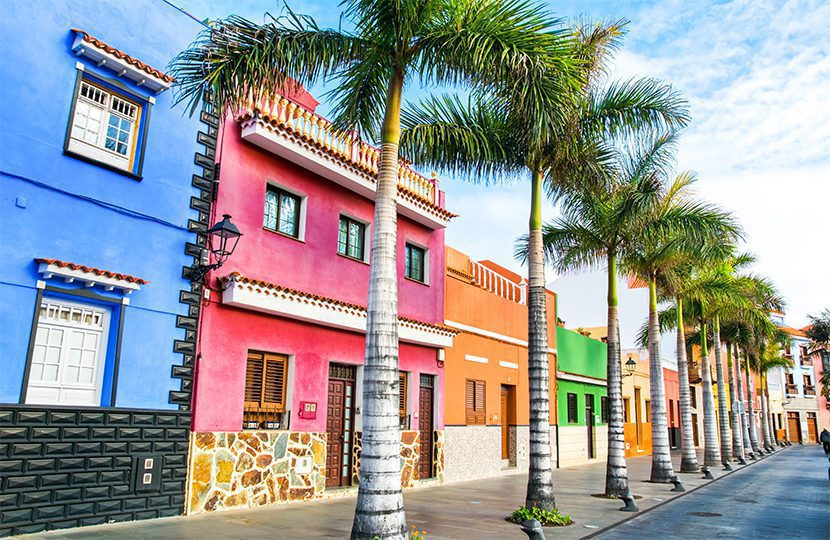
column 548, row 518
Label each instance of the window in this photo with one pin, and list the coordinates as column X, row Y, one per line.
column 415, row 263
column 693, row 397
column 603, row 405
column 351, row 238
column 572, row 412
column 104, row 126
column 648, row 411
column 68, row 355
column 475, row 402
column 265, row 379
column 626, row 409
column 282, row 212
column 402, row 400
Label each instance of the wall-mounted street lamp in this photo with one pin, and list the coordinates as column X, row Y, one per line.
column 630, row 366
column 221, row 239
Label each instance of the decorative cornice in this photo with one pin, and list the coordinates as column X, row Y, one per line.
column 258, row 295
column 89, row 276
column 120, row 62
column 364, row 169
column 460, row 327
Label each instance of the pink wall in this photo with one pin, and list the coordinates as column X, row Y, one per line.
column 672, row 385
column 823, row 412
column 313, row 265
column 228, row 334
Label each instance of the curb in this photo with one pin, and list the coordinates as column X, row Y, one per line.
column 687, row 492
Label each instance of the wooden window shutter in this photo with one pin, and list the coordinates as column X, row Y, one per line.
column 253, row 379
column 480, row 416
column 402, row 394
column 273, row 393
column 471, row 402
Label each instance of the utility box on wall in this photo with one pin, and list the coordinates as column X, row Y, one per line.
column 147, row 473
column 308, row 410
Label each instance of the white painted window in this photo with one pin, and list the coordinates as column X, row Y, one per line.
column 68, row 355
column 104, row 126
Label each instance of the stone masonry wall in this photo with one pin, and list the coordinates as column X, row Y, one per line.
column 248, row 469
column 258, row 468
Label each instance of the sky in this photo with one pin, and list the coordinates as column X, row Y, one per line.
column 756, row 74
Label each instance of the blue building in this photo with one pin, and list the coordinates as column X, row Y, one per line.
column 103, row 187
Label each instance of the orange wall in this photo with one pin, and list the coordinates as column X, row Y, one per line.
column 473, row 306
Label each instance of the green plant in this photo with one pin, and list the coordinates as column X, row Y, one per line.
column 548, row 518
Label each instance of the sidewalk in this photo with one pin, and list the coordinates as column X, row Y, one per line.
column 473, row 510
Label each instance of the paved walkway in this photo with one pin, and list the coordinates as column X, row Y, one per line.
column 784, row 496
column 470, row 510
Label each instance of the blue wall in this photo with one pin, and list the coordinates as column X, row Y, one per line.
column 59, row 207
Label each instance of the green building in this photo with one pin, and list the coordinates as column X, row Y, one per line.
column 580, row 398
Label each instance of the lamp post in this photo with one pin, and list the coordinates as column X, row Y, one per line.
column 221, row 239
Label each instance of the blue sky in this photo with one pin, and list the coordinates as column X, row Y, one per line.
column 756, row 75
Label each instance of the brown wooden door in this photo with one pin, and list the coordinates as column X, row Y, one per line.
column 812, row 428
column 794, row 425
column 694, row 429
column 638, row 419
column 505, row 427
column 339, row 426
column 425, row 396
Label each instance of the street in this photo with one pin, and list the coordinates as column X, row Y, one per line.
column 785, row 496
column 782, row 496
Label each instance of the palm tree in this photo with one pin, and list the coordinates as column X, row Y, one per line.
column 679, row 231
column 731, row 332
column 819, row 333
column 772, row 340
column 550, row 137
column 474, row 42
column 600, row 226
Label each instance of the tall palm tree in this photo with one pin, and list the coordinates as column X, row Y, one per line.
column 499, row 134
column 769, row 358
column 731, row 333
column 679, row 231
column 394, row 43
column 600, row 226
column 819, row 333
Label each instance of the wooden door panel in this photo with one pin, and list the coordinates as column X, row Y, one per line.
column 425, row 432
column 334, row 432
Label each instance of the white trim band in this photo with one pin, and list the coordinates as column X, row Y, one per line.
column 489, row 334
column 511, row 365
column 479, row 359
column 580, row 378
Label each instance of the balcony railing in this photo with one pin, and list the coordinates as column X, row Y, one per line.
column 695, row 375
column 315, row 129
column 809, row 390
column 496, row 283
column 792, row 389
column 806, row 362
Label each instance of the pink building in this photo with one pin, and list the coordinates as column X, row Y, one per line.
column 277, row 398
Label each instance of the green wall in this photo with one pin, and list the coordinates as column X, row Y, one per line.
column 579, row 354
column 563, row 388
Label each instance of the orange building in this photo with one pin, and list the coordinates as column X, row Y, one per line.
column 486, row 405
column 636, row 391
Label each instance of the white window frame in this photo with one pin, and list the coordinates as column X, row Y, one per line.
column 60, row 393
column 426, row 262
column 367, row 235
column 303, row 204
column 97, row 150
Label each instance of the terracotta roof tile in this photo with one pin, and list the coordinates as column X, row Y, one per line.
column 793, row 331
column 124, row 56
column 239, row 278
column 91, row 270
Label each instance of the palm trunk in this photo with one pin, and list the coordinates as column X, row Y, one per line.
column 766, row 427
column 723, row 410
column 711, row 451
column 540, row 475
column 379, row 509
column 688, row 458
column 616, row 470
column 744, row 419
column 661, row 465
column 753, row 432
column 734, row 415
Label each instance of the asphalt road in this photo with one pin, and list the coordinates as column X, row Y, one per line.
column 785, row 496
